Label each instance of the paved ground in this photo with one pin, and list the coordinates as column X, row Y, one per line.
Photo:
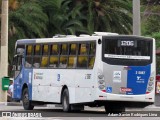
column 96, row 113
column 56, row 113
column 157, row 100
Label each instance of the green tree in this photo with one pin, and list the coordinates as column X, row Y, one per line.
column 110, row 15
column 63, row 17
column 87, row 16
column 26, row 21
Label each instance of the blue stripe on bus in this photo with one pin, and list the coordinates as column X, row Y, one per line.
column 26, row 78
column 137, row 79
column 20, row 81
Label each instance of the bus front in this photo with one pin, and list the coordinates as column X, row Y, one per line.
column 127, row 71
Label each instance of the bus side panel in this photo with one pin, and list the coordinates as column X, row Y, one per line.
column 27, row 79
column 24, row 77
column 17, row 86
column 46, row 85
column 137, row 79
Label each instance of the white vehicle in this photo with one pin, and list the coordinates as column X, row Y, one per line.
column 105, row 69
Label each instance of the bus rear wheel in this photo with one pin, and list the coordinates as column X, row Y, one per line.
column 65, row 101
column 25, row 100
column 114, row 108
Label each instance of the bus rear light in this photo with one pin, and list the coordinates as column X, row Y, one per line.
column 151, row 78
column 103, row 90
column 101, row 87
column 150, row 83
column 101, row 81
column 149, row 89
column 100, row 76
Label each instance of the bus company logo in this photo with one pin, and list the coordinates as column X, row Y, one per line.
column 117, row 73
column 38, row 76
column 124, row 89
column 117, row 76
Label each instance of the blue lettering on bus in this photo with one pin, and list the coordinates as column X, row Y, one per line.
column 58, row 77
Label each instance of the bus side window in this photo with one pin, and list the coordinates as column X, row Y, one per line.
column 72, row 61
column 44, row 62
column 73, row 49
column 83, row 49
column 28, row 63
column 29, row 49
column 92, row 48
column 64, row 49
column 53, row 61
column 37, row 56
column 82, row 61
column 63, row 55
column 92, row 52
column 37, row 50
column 63, row 62
column 45, row 50
column 54, row 50
column 91, row 62
column 36, row 61
column 28, row 59
column 83, row 55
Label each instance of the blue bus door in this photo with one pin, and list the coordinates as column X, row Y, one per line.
column 17, row 67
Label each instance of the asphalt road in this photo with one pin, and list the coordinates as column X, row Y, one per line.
column 16, row 111
column 56, row 113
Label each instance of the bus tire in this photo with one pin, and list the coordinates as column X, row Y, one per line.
column 114, row 108
column 25, row 100
column 65, row 101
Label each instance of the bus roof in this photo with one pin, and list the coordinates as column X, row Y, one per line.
column 69, row 38
column 58, row 39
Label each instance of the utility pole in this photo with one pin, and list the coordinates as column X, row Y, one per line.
column 136, row 17
column 4, row 48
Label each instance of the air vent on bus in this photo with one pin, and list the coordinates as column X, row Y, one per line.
column 84, row 35
column 68, row 36
column 59, row 36
column 104, row 33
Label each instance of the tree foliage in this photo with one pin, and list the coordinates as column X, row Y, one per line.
column 26, row 21
column 45, row 18
column 150, row 23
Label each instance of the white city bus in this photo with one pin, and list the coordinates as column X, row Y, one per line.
column 105, row 69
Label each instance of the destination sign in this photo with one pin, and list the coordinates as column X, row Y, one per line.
column 127, row 43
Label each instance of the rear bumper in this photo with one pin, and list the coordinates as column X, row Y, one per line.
column 130, row 98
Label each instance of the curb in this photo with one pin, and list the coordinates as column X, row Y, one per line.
column 3, row 103
column 14, row 104
column 153, row 106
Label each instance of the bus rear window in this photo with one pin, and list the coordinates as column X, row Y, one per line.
column 128, row 47
column 127, row 51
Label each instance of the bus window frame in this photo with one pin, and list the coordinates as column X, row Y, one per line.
column 112, row 61
column 88, row 55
